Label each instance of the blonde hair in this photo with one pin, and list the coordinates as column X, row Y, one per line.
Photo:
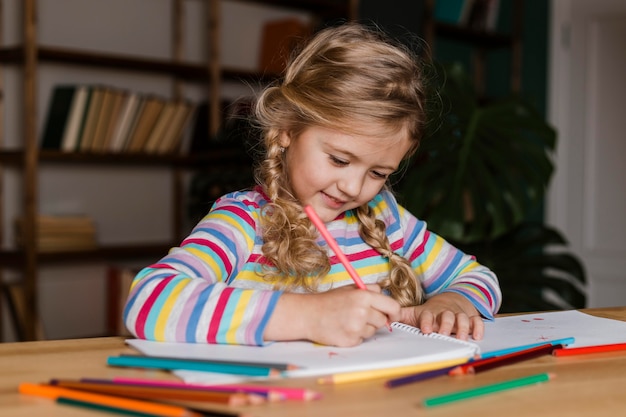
column 346, row 73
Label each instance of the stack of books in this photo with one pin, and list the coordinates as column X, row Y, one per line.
column 102, row 119
column 61, row 233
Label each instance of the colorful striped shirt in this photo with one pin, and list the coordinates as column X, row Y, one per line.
column 209, row 289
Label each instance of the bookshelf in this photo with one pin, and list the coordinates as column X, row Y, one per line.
column 28, row 159
column 481, row 41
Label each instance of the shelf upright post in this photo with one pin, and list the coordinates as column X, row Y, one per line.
column 428, row 31
column 353, row 10
column 30, row 170
column 178, row 42
column 2, row 284
column 214, row 64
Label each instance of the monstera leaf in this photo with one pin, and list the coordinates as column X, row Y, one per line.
column 534, row 269
column 481, row 168
column 481, row 171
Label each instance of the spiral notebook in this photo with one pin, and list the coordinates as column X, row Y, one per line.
column 403, row 346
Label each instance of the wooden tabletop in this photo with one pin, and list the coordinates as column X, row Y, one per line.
column 584, row 386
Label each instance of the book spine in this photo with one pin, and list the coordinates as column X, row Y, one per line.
column 58, row 115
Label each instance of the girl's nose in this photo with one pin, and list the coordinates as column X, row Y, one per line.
column 351, row 185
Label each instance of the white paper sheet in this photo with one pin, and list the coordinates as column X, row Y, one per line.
column 511, row 331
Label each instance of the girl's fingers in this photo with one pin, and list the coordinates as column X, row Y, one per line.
column 477, row 327
column 463, row 326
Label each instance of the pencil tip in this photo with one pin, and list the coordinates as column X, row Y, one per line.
column 312, row 395
column 456, row 371
column 325, row 380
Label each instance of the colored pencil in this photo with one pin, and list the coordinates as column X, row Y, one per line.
column 267, row 395
column 101, row 407
column 499, row 352
column 480, row 365
column 420, row 376
column 310, row 211
column 164, row 410
column 164, row 393
column 359, row 376
column 288, row 393
column 585, row 350
column 281, row 366
column 173, row 363
column 487, row 389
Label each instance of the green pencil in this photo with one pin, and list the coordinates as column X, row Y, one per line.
column 487, row 389
column 101, row 407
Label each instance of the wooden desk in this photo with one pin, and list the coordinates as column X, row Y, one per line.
column 589, row 386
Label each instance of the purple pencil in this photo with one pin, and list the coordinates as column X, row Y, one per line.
column 409, row 379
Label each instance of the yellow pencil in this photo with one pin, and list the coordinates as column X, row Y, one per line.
column 359, row 376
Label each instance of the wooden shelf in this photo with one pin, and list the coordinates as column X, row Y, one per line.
column 180, row 70
column 15, row 258
column 217, row 156
column 324, row 8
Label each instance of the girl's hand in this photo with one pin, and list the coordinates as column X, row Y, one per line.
column 342, row 317
column 446, row 313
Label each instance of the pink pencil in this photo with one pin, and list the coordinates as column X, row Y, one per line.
column 335, row 247
column 287, row 393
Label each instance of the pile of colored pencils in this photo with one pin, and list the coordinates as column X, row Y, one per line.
column 147, row 397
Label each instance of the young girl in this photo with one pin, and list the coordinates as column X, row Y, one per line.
column 349, row 109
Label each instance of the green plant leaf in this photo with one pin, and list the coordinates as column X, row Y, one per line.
column 530, row 261
column 482, row 169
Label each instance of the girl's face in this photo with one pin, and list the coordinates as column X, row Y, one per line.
column 335, row 171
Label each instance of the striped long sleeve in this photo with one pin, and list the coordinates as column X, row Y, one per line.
column 186, row 296
column 442, row 267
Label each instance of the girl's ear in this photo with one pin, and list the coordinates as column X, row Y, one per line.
column 284, row 139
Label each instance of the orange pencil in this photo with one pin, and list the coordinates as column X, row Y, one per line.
column 165, row 393
column 335, row 247
column 480, row 365
column 164, row 410
column 584, row 350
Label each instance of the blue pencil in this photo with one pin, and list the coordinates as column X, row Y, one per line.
column 281, row 366
column 171, row 364
column 493, row 353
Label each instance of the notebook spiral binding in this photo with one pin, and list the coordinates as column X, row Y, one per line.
column 414, row 330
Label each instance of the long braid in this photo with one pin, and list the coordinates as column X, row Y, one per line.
column 288, row 234
column 401, row 283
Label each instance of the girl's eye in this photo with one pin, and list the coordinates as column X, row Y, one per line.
column 337, row 161
column 379, row 175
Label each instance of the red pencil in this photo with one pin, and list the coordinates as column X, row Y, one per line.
column 583, row 350
column 490, row 363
